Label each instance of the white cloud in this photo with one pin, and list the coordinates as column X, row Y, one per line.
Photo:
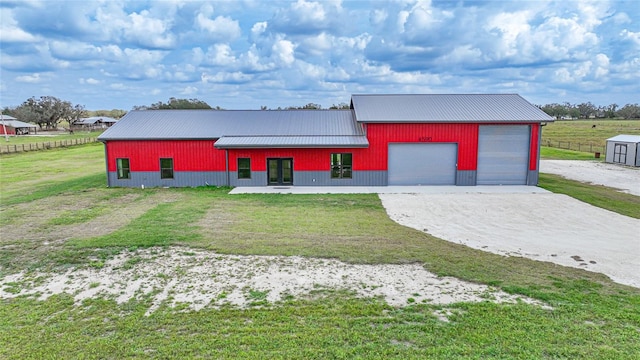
column 225, row 77
column 33, row 78
column 148, row 31
column 219, row 29
column 189, row 90
column 283, row 52
column 89, row 81
column 634, row 37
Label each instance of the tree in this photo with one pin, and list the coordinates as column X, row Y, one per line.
column 586, row 109
column 629, row 111
column 114, row 113
column 174, row 103
column 48, row 111
column 341, row 106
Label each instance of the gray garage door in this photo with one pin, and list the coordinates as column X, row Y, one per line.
column 503, row 155
column 422, row 164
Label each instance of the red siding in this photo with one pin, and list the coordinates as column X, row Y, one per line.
column 188, row 155
column 303, row 159
column 200, row 155
column 10, row 130
column 380, row 135
column 533, row 150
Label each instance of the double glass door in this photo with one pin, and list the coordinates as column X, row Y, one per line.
column 280, row 171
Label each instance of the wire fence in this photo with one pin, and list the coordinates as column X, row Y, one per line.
column 16, row 148
column 576, row 146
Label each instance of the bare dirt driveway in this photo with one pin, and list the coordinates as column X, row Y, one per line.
column 540, row 226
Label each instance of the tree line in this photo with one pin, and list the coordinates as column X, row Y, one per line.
column 48, row 111
column 588, row 110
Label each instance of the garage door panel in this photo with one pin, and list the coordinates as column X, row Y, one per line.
column 422, row 164
column 503, row 154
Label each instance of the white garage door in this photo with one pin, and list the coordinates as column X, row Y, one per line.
column 422, row 164
column 503, row 155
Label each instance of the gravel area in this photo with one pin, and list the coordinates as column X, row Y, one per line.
column 201, row 279
column 546, row 227
column 625, row 178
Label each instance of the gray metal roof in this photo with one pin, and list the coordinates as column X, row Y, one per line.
column 17, row 124
column 446, row 108
column 7, row 117
column 625, row 138
column 230, row 142
column 214, row 124
column 94, row 119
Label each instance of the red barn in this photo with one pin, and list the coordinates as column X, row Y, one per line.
column 382, row 140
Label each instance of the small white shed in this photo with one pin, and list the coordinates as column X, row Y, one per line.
column 624, row 149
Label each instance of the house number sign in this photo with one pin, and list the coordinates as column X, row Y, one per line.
column 424, row 138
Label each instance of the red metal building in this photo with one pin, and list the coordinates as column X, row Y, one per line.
column 382, row 140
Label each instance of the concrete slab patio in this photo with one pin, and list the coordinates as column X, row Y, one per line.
column 389, row 190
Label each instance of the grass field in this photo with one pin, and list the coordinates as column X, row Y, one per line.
column 584, row 132
column 65, row 218
column 47, row 137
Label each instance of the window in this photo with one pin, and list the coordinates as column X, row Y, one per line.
column 166, row 168
column 620, row 153
column 244, row 168
column 124, row 172
column 341, row 166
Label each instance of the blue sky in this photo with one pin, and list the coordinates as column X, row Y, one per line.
column 245, row 54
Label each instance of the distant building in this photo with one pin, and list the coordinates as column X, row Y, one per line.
column 623, row 149
column 12, row 126
column 381, row 140
column 96, row 122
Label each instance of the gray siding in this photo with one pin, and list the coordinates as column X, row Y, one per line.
column 181, row 179
column 532, row 177
column 466, row 177
column 258, row 178
column 323, row 178
column 632, row 157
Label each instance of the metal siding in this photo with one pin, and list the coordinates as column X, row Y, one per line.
column 422, row 164
column 323, row 178
column 532, row 177
column 188, row 155
column 307, row 159
column 466, row 177
column 633, row 152
column 258, row 178
column 380, row 135
column 534, row 147
column 503, row 154
column 181, row 179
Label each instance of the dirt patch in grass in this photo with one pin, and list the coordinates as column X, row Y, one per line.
column 178, row 276
column 29, row 235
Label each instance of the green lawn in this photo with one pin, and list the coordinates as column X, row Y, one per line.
column 43, row 226
column 563, row 154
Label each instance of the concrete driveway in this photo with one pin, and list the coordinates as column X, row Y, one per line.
column 539, row 226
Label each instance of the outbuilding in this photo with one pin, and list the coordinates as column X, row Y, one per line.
column 623, row 149
column 96, row 122
column 12, row 126
column 479, row 139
